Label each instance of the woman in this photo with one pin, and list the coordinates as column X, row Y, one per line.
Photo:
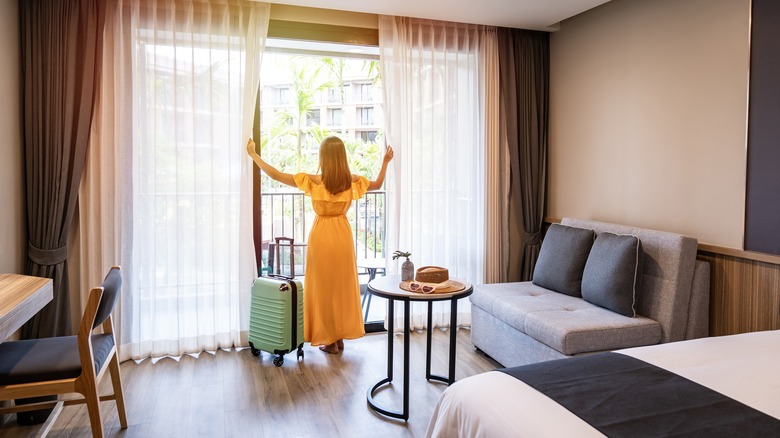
column 331, row 307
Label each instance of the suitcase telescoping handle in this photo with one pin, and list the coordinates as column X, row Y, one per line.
column 290, row 241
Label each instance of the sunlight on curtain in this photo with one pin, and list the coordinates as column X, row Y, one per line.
column 433, row 75
column 177, row 157
column 496, row 169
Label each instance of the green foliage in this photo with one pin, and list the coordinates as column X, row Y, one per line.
column 290, row 129
column 291, row 141
column 364, row 158
column 374, row 244
column 397, row 254
column 290, row 144
column 373, row 73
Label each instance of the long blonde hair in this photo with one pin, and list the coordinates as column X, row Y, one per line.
column 334, row 168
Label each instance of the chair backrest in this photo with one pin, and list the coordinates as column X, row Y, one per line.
column 111, row 286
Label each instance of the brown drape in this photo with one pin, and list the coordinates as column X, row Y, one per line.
column 61, row 46
column 524, row 76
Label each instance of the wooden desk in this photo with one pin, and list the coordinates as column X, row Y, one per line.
column 21, row 297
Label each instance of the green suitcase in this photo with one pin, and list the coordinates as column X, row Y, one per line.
column 276, row 317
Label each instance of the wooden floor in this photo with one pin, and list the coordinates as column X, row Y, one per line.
column 234, row 394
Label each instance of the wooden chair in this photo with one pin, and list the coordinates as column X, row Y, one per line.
column 68, row 364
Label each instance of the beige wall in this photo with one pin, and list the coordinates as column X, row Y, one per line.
column 648, row 104
column 12, row 226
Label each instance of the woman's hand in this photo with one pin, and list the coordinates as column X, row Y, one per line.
column 251, row 148
column 271, row 171
column 388, row 154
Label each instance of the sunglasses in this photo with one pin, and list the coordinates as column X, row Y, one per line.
column 417, row 287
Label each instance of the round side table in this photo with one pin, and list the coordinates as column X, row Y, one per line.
column 388, row 288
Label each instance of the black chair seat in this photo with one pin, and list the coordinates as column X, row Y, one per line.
column 35, row 360
column 67, row 365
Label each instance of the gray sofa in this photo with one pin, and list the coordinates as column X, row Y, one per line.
column 521, row 323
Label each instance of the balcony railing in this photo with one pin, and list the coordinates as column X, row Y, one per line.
column 289, row 214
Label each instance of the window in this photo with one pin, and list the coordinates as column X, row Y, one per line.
column 313, row 117
column 318, row 89
column 367, row 136
column 275, row 95
column 346, row 93
column 334, row 95
column 334, row 118
column 282, row 96
column 366, row 116
column 364, row 92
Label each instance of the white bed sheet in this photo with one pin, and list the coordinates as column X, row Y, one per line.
column 494, row 404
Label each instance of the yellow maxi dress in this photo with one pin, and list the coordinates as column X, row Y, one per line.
column 331, row 303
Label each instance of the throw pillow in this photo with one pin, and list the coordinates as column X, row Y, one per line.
column 562, row 259
column 613, row 273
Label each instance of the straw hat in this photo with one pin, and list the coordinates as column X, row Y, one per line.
column 432, row 274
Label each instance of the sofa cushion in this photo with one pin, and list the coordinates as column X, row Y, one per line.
column 613, row 273
column 589, row 329
column 567, row 324
column 669, row 261
column 511, row 302
column 562, row 259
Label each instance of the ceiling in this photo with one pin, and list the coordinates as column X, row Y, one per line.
column 522, row 14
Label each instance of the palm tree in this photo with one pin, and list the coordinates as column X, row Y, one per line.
column 306, row 83
column 373, row 72
column 285, row 139
column 336, row 66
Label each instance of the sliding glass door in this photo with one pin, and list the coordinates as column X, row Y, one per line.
column 309, row 91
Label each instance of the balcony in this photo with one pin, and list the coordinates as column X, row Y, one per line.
column 289, row 214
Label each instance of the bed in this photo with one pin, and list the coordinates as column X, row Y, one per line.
column 742, row 369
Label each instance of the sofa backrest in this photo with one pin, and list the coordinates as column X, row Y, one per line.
column 669, row 263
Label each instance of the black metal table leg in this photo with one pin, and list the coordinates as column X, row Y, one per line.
column 404, row 414
column 450, row 379
column 428, row 348
column 407, row 305
column 390, row 330
column 453, row 338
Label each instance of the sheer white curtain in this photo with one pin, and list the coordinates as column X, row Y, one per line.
column 167, row 191
column 434, row 77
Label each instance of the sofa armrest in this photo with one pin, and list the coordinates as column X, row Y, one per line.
column 699, row 307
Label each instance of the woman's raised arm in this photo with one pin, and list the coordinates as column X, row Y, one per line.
column 377, row 184
column 271, row 171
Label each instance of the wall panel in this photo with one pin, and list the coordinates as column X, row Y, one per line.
column 744, row 294
column 762, row 210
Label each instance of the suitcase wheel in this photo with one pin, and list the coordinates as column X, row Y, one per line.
column 300, row 353
column 279, row 360
column 255, row 351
